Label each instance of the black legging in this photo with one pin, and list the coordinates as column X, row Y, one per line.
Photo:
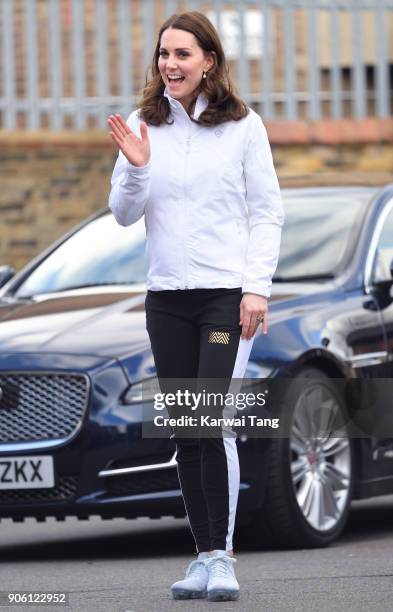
column 195, row 334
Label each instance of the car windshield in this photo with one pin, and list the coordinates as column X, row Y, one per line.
column 100, row 253
column 318, row 233
column 314, row 241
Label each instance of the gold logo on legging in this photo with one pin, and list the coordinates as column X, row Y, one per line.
column 218, row 337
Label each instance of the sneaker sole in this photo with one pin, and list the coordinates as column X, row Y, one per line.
column 222, row 595
column 186, row 594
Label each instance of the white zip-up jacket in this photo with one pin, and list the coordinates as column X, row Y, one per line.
column 211, row 200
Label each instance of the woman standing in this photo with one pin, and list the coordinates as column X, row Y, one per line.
column 196, row 161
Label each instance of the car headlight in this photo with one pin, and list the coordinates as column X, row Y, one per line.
column 141, row 392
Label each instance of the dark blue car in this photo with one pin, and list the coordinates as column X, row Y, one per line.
column 75, row 352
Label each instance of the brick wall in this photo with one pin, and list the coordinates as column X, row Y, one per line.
column 47, row 188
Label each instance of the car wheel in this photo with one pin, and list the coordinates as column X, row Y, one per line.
column 311, row 473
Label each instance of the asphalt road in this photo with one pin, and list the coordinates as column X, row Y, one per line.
column 120, row 566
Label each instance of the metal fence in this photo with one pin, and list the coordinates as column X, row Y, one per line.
column 67, row 64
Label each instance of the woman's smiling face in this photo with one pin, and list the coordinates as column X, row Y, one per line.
column 181, row 55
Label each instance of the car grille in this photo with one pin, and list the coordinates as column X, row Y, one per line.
column 41, row 406
column 143, row 482
column 65, row 489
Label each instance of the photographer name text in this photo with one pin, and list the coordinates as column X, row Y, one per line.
column 208, row 421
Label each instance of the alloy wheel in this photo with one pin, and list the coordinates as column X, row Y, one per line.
column 320, row 459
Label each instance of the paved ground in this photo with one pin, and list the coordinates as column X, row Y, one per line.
column 119, row 566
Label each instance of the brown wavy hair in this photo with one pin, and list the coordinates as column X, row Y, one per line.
column 223, row 103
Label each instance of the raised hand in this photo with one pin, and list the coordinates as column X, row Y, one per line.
column 136, row 150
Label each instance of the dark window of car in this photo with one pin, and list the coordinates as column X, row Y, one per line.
column 319, row 233
column 100, row 253
column 384, row 252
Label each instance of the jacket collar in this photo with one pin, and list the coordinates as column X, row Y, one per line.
column 200, row 105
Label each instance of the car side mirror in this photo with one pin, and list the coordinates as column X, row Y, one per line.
column 6, row 272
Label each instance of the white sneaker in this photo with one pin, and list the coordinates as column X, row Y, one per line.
column 193, row 586
column 222, row 584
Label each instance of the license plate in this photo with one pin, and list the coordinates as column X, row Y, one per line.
column 28, row 472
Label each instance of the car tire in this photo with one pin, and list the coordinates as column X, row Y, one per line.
column 290, row 516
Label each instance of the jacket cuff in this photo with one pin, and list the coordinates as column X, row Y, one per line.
column 135, row 174
column 263, row 289
column 138, row 170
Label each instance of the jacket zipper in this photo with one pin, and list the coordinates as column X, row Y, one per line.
column 185, row 210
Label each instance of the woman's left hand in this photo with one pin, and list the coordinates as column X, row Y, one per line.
column 252, row 308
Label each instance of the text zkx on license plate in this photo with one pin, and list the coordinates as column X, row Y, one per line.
column 33, row 472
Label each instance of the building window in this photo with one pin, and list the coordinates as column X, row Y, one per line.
column 228, row 23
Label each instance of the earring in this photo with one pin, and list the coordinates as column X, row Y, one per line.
column 204, row 75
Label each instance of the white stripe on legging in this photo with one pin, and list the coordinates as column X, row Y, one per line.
column 229, row 436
